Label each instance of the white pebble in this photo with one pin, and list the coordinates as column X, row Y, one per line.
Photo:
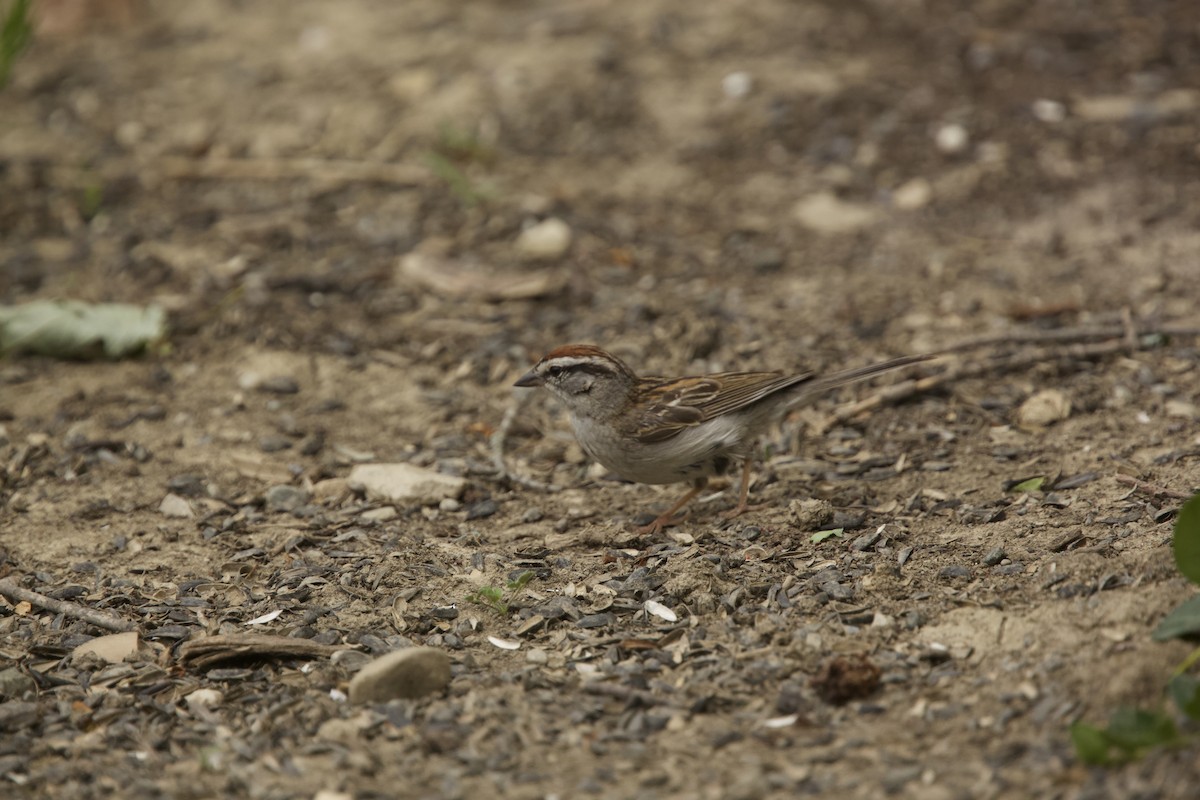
column 1049, row 110
column 952, row 138
column 737, row 85
column 912, row 194
column 544, row 241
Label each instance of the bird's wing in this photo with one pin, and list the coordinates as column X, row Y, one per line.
column 686, row 402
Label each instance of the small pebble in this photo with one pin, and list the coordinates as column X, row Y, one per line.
column 286, row 498
column 810, row 515
column 274, row 443
column 415, row 672
column 737, row 85
column 279, row 384
column 912, row 195
column 866, row 541
column 382, row 514
column 954, row 571
column 995, row 556
column 312, row 445
column 14, row 683
column 544, row 241
column 482, row 509
column 450, row 504
column 533, row 515
column 204, row 699
column 1044, row 408
column 952, row 138
column 187, row 485
column 405, row 483
column 176, row 507
column 1049, row 110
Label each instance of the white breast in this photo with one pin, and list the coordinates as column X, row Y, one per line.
column 693, row 453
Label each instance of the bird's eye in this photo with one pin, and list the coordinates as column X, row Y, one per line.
column 556, row 372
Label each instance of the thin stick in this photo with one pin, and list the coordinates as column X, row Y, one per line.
column 1150, row 488
column 315, row 170
column 628, row 694
column 210, row 650
column 1067, row 335
column 967, row 369
column 497, row 445
column 97, row 618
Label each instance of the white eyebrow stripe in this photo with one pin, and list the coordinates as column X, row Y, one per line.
column 572, row 361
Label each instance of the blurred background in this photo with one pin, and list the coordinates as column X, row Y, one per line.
column 788, row 182
column 363, row 219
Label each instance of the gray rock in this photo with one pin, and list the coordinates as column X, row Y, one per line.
column 995, row 556
column 484, row 508
column 279, row 384
column 405, row 483
column 866, row 541
column 175, row 506
column 404, row 674
column 14, row 683
column 381, row 514
column 274, row 443
column 286, row 498
column 17, row 714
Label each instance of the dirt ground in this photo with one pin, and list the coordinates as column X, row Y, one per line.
column 330, row 198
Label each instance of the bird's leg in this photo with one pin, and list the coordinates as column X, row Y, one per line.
column 668, row 518
column 742, row 507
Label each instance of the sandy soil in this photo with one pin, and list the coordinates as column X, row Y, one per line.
column 334, row 195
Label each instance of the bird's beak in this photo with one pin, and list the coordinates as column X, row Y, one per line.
column 530, row 378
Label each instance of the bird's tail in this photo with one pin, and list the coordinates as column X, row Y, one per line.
column 823, row 383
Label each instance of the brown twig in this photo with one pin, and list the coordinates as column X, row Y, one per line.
column 1067, row 335
column 967, row 369
column 212, row 650
column 628, row 694
column 1152, row 489
column 91, row 616
column 316, row 170
column 272, row 169
column 500, row 437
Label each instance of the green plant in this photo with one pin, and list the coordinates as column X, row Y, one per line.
column 498, row 599
column 92, row 200
column 454, row 149
column 15, row 33
column 1132, row 732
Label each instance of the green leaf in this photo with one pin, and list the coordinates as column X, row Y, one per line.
column 1182, row 623
column 1091, row 744
column 1134, row 729
column 521, row 581
column 1186, row 541
column 70, row 329
column 1030, row 484
column 15, row 33
column 1185, row 691
column 821, row 536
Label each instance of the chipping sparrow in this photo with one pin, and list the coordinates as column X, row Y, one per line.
column 670, row 430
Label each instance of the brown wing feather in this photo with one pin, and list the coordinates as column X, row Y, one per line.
column 687, row 402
